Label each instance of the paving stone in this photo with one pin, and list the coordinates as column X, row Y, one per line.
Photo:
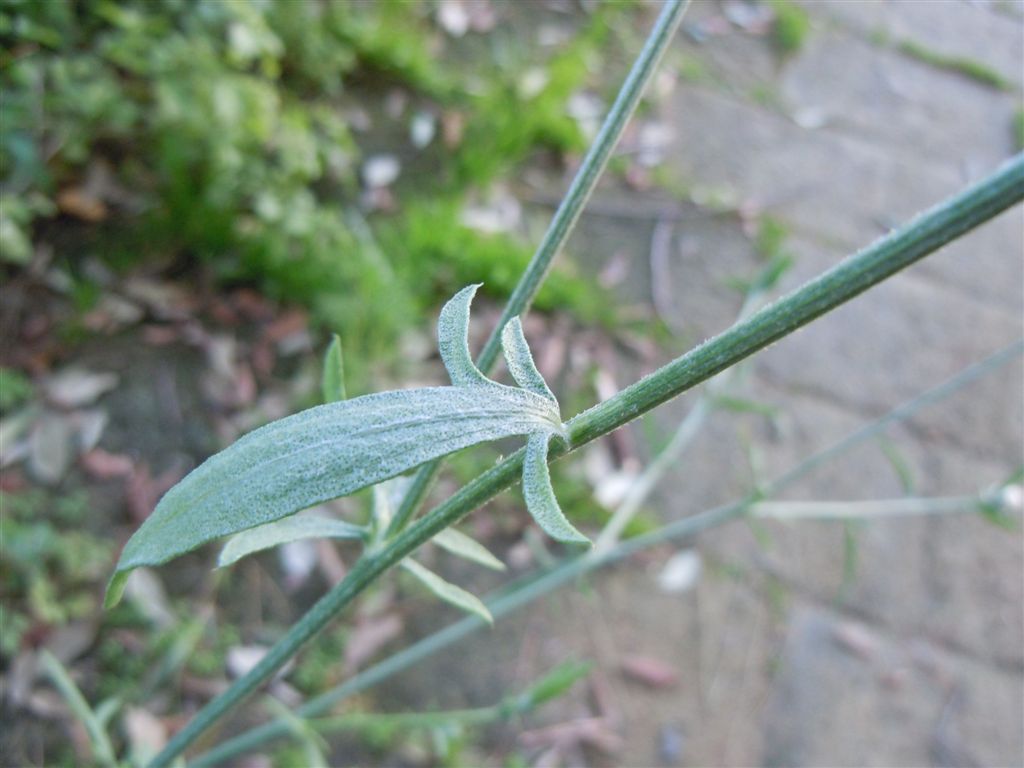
column 858, row 88
column 842, row 188
column 882, row 700
column 974, row 31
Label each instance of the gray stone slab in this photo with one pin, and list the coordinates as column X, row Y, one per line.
column 975, row 31
column 849, row 694
column 840, row 188
column 859, row 89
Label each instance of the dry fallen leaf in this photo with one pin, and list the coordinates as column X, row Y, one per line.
column 75, row 387
column 143, row 490
column 50, row 450
column 103, row 465
column 649, row 671
column 681, row 572
column 857, row 639
column 147, row 734
column 82, row 204
column 241, row 659
column 596, row 732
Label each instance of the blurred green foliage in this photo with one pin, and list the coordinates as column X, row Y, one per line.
column 792, row 26
column 222, row 128
column 52, row 568
column 15, row 388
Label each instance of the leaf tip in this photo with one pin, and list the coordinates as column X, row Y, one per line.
column 115, row 589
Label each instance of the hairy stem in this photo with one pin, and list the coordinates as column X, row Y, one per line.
column 563, row 222
column 927, row 233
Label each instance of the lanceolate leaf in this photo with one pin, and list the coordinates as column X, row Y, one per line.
column 520, row 361
column 333, row 380
column 323, row 453
column 282, row 531
column 554, row 684
column 463, row 546
column 453, row 340
column 447, row 591
column 540, row 496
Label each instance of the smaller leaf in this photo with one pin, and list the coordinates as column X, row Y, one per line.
column 899, row 463
column 520, row 360
column 102, row 749
column 540, row 496
column 772, row 273
column 994, row 513
column 115, row 588
column 554, row 684
column 313, row 744
column 745, row 405
column 453, row 340
column 447, row 591
column 283, row 531
column 333, row 381
column 463, row 546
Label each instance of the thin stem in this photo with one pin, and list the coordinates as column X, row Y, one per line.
column 863, row 510
column 857, row 273
column 563, row 222
column 525, row 591
column 360, row 721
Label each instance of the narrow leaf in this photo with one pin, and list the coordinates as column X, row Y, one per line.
column 463, row 546
column 453, row 340
column 102, row 749
column 554, row 684
column 899, row 464
column 282, row 531
column 520, row 360
column 323, row 453
column 333, row 380
column 447, row 591
column 540, row 496
column 744, row 405
column 313, row 744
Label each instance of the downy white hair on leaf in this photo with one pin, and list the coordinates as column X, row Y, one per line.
column 336, row 449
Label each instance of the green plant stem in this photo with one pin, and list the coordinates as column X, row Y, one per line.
column 525, row 591
column 925, row 234
column 563, row 221
column 863, row 510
